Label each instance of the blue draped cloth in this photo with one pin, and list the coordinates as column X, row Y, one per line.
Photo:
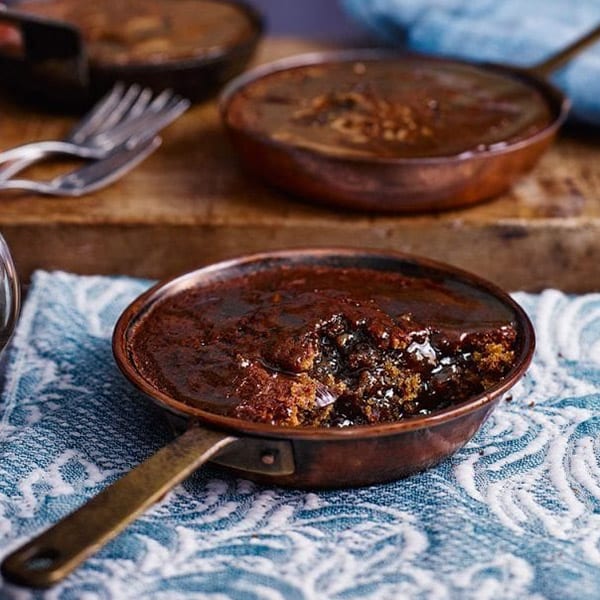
column 515, row 514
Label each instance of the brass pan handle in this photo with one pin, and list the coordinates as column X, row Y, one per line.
column 554, row 62
column 52, row 555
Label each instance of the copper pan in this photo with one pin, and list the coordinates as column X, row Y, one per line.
column 53, row 69
column 399, row 184
column 297, row 457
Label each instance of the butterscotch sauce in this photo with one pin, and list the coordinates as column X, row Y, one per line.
column 390, row 108
column 324, row 346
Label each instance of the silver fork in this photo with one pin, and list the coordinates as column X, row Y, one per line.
column 90, row 177
column 124, row 116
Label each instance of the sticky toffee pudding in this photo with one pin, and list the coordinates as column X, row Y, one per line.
column 390, row 108
column 324, row 346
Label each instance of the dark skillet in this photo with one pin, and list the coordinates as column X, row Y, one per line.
column 388, row 183
column 304, row 457
column 67, row 78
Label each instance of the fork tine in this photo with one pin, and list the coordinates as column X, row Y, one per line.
column 119, row 105
column 130, row 96
column 161, row 100
column 139, row 106
column 95, row 119
column 146, row 125
column 152, row 126
column 130, row 109
column 126, row 127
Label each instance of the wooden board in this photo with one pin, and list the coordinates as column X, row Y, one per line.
column 190, row 204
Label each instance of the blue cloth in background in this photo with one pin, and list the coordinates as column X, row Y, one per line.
column 515, row 514
column 513, row 32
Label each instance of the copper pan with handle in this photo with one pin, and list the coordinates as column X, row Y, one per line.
column 301, row 457
column 402, row 184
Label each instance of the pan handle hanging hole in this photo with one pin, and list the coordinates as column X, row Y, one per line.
column 42, row 559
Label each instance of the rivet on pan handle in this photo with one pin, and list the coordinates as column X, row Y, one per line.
column 270, row 457
column 56, row 552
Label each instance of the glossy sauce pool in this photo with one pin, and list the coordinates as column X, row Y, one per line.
column 248, row 346
column 390, row 108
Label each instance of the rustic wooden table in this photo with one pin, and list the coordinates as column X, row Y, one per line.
column 190, row 204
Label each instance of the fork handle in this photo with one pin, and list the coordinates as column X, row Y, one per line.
column 21, row 157
column 14, row 167
column 36, row 150
column 27, row 185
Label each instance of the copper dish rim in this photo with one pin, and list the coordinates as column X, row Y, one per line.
column 146, row 300
column 555, row 99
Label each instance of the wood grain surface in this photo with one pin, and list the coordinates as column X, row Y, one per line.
column 190, row 204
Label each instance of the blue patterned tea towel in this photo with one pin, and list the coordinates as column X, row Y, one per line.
column 514, row 515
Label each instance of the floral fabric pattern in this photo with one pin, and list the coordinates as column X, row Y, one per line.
column 514, row 514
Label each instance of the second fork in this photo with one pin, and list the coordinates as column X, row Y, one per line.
column 125, row 115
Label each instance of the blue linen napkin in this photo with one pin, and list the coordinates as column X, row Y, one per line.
column 513, row 32
column 515, row 514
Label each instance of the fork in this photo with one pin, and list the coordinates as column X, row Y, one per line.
column 124, row 115
column 90, row 177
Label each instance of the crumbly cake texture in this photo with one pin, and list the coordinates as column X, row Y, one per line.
column 347, row 372
column 340, row 348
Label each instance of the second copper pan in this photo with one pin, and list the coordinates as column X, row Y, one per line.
column 389, row 184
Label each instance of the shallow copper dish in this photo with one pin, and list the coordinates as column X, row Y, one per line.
column 397, row 184
column 305, row 457
column 47, row 81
